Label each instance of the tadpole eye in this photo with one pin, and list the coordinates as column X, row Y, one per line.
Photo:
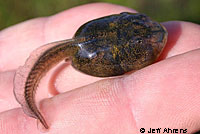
column 139, row 41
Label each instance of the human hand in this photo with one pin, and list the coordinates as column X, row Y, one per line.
column 162, row 95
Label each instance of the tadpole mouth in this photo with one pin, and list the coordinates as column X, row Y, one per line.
column 165, row 34
column 159, row 36
column 159, row 39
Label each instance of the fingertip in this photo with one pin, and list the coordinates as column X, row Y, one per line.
column 174, row 32
column 182, row 37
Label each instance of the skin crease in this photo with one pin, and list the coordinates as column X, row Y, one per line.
column 165, row 94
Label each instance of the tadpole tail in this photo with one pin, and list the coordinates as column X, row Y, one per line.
column 38, row 64
column 42, row 120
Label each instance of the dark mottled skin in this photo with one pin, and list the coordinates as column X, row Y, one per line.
column 119, row 44
column 108, row 46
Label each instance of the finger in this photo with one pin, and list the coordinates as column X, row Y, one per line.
column 18, row 41
column 163, row 95
column 182, row 37
column 166, row 94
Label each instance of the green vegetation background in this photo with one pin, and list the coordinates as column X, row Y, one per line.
column 15, row 11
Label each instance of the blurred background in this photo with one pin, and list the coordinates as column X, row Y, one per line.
column 15, row 11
